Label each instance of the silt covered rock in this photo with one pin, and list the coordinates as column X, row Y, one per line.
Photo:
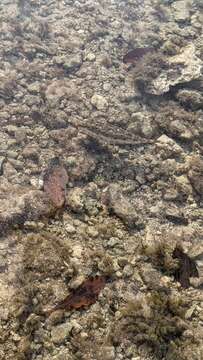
column 183, row 68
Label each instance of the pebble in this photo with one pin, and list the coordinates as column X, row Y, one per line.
column 128, row 271
column 99, row 102
column 70, row 229
column 11, row 129
column 166, row 142
column 90, row 57
column 12, row 154
column 77, row 251
column 37, row 183
column 34, row 88
column 32, row 225
column 61, row 332
column 20, row 135
column 107, row 352
column 72, row 62
column 31, row 152
column 181, row 11
column 190, row 312
column 113, row 241
column 17, row 164
column 55, row 318
column 91, row 231
column 74, row 284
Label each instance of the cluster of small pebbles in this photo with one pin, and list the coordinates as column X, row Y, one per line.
column 99, row 161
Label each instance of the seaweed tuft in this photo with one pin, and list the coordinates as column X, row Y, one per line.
column 155, row 320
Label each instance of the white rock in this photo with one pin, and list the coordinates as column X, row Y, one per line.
column 183, row 68
column 99, row 102
column 77, row 251
column 90, row 57
column 181, row 10
column 164, row 142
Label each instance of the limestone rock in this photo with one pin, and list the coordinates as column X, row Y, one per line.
column 19, row 204
column 195, row 174
column 99, row 102
column 167, row 146
column 183, row 68
column 120, row 205
column 74, row 200
column 61, row 332
column 181, row 10
column 191, row 98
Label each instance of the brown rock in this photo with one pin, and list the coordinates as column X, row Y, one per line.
column 19, row 204
column 55, row 180
column 118, row 204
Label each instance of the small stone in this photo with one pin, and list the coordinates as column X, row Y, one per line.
column 61, row 332
column 11, row 129
column 75, row 283
column 180, row 130
column 32, row 225
column 151, row 276
column 192, row 97
column 90, row 57
column 17, row 164
column 55, row 317
column 71, row 160
column 31, row 152
column 55, row 180
column 183, row 67
column 165, row 140
column 37, row 183
column 170, row 194
column 91, row 231
column 167, row 147
column 77, row 251
column 190, row 312
column 9, row 170
column 181, row 10
column 12, row 154
column 175, row 215
column 34, row 88
column 119, row 274
column 72, row 62
column 128, row 271
column 76, row 326
column 107, row 353
column 120, row 205
column 24, row 345
column 188, row 334
column 113, row 241
column 99, row 102
column 74, row 199
column 183, row 184
column 83, row 335
column 70, row 229
column 107, row 87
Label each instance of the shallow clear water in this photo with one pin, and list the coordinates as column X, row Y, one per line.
column 101, row 179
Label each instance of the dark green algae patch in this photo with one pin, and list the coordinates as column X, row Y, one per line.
column 156, row 321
